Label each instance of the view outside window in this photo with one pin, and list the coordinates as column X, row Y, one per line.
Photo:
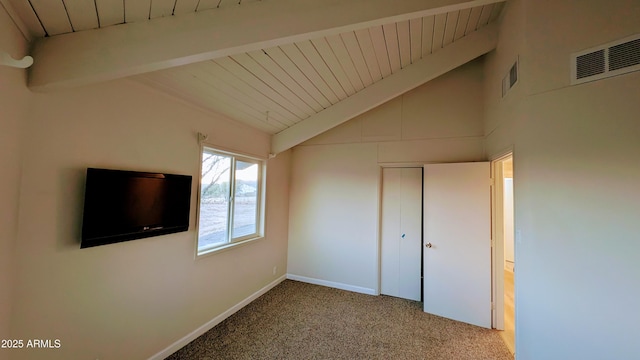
column 214, row 200
column 245, row 207
column 230, row 196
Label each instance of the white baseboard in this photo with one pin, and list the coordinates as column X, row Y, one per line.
column 215, row 321
column 332, row 284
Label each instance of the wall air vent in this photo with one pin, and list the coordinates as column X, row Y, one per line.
column 510, row 79
column 624, row 55
column 616, row 58
column 590, row 64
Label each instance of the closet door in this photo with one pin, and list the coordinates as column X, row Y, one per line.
column 401, row 241
column 457, row 237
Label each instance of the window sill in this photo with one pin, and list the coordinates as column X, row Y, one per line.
column 219, row 249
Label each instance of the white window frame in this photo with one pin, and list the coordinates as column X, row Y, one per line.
column 231, row 241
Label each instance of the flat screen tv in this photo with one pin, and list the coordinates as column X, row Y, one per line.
column 126, row 205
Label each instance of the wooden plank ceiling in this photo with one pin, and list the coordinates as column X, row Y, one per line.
column 55, row 17
column 276, row 87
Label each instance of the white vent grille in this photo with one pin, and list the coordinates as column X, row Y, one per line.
column 510, row 79
column 616, row 58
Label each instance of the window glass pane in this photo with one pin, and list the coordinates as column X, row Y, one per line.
column 245, row 210
column 214, row 200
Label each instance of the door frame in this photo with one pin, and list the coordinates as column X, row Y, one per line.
column 497, row 238
column 379, row 231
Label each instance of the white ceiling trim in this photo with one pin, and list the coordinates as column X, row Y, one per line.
column 113, row 52
column 428, row 68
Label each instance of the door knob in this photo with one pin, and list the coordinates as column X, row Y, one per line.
column 428, row 245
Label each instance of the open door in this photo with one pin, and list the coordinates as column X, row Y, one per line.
column 503, row 249
column 457, row 240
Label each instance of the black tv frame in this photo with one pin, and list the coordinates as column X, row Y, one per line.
column 89, row 237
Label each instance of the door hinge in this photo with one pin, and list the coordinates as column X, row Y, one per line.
column 493, row 306
column 492, row 182
column 493, row 242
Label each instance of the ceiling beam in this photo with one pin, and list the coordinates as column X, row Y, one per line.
column 428, row 68
column 118, row 51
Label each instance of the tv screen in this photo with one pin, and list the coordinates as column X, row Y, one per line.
column 126, row 205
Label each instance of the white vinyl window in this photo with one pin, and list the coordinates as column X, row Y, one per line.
column 230, row 200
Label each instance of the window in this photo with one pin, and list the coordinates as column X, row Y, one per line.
column 231, row 200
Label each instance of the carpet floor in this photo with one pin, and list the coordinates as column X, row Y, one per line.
column 296, row 320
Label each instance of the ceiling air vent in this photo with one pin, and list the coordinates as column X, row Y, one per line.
column 510, row 79
column 616, row 58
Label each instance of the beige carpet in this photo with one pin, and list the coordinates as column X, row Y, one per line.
column 296, row 320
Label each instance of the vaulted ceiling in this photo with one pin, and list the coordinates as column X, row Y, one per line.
column 291, row 68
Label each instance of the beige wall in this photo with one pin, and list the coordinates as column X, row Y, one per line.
column 333, row 223
column 555, row 29
column 576, row 178
column 13, row 108
column 576, row 172
column 333, row 203
column 133, row 299
column 500, row 113
column 420, row 125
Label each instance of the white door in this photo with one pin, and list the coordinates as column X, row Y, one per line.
column 401, row 240
column 457, row 238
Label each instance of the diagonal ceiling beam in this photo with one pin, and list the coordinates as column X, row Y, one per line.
column 428, row 68
column 113, row 52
